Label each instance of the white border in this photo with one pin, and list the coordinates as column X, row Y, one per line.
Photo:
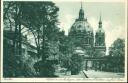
column 65, row 79
column 73, row 0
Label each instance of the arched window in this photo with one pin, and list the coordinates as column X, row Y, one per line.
column 88, row 40
column 100, row 40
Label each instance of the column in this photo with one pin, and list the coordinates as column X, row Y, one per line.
column 86, row 65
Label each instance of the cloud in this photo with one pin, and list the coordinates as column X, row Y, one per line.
column 67, row 22
column 94, row 23
column 113, row 31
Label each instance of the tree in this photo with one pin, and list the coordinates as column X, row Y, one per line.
column 65, row 48
column 42, row 22
column 116, row 54
column 76, row 64
column 39, row 18
column 118, row 48
column 12, row 14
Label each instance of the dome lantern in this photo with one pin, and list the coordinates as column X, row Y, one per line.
column 81, row 13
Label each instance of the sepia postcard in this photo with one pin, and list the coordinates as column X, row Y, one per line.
column 63, row 41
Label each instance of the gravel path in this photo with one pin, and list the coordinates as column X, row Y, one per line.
column 102, row 74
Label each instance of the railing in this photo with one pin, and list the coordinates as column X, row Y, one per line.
column 85, row 74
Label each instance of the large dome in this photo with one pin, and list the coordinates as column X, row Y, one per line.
column 81, row 26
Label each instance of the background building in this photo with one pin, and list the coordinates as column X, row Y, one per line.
column 82, row 36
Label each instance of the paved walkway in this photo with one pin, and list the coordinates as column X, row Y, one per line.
column 63, row 75
column 89, row 74
column 102, row 74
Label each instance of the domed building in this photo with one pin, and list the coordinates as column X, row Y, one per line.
column 81, row 35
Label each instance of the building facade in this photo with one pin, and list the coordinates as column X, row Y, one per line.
column 82, row 36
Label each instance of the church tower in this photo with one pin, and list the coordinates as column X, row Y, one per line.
column 100, row 35
column 100, row 38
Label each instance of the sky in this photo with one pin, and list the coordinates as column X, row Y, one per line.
column 112, row 15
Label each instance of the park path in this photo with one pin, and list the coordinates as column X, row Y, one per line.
column 102, row 74
column 64, row 75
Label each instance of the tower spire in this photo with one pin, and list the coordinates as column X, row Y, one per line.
column 100, row 18
column 81, row 5
column 100, row 22
column 81, row 13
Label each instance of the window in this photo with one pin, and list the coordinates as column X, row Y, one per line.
column 88, row 40
column 100, row 40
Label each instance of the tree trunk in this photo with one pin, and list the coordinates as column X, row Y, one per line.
column 20, row 40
